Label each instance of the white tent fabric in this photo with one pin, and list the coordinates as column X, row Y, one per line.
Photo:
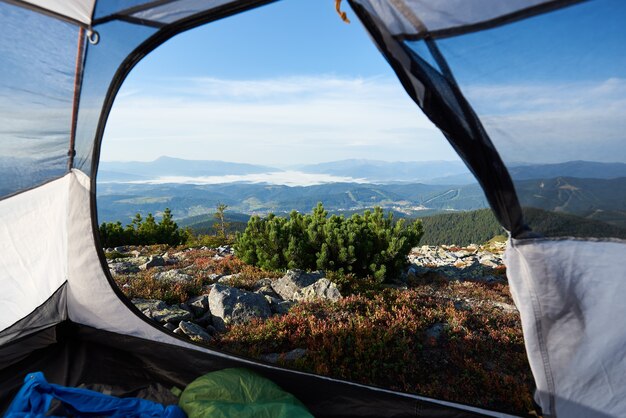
column 77, row 10
column 571, row 295
column 570, row 292
column 33, row 244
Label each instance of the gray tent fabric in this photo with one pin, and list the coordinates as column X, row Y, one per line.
column 64, row 61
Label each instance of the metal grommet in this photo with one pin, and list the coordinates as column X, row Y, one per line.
column 93, row 37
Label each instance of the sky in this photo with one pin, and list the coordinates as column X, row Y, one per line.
column 290, row 83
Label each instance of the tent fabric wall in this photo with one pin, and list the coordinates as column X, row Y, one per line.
column 568, row 291
column 571, row 295
column 33, row 244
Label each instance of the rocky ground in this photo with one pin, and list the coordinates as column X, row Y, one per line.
column 446, row 328
column 223, row 300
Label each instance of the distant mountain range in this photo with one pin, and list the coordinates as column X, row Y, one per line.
column 381, row 172
column 168, row 166
column 590, row 190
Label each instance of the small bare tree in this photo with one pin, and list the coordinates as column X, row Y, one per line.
column 221, row 218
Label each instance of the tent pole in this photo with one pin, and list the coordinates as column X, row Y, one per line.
column 78, row 75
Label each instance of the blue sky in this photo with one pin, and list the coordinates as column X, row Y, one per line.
column 287, row 83
column 290, row 83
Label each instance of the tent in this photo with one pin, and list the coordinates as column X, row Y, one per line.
column 62, row 63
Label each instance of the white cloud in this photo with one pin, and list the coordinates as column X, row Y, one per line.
column 274, row 121
column 555, row 121
column 287, row 178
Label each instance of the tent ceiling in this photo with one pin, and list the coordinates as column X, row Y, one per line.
column 79, row 11
column 413, row 18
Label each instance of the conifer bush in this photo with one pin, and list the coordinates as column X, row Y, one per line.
column 143, row 231
column 365, row 245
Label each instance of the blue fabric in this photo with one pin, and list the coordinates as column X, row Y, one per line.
column 34, row 398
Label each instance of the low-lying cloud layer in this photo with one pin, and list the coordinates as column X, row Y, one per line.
column 286, row 178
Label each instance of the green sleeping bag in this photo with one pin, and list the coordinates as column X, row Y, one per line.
column 238, row 393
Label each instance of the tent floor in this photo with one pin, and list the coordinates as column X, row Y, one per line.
column 71, row 354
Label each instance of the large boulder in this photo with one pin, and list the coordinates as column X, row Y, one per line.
column 229, row 305
column 321, row 289
column 293, row 281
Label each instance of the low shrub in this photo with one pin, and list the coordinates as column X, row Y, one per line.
column 414, row 341
column 365, row 245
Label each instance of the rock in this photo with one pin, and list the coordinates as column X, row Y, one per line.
column 205, row 320
column 151, row 304
column 229, row 305
column 489, row 261
column 123, row 267
column 434, row 331
column 228, row 278
column 267, row 291
column 289, row 356
column 462, row 305
column 199, row 305
column 224, row 250
column 262, row 283
column 153, row 261
column 507, row 307
column 122, row 249
column 321, row 289
column 170, row 326
column 179, row 331
column 294, row 281
column 135, row 253
column 194, row 332
column 278, row 306
column 173, row 276
column 160, row 311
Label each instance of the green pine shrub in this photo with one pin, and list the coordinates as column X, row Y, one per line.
column 143, row 231
column 365, row 245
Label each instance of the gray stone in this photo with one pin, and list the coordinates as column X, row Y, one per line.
column 435, row 330
column 194, row 332
column 173, row 276
column 163, row 314
column 267, row 291
column 148, row 304
column 228, row 278
column 153, row 261
column 507, row 307
column 262, row 283
column 123, row 267
column 229, row 305
column 199, row 304
column 122, row 249
column 321, row 289
column 294, row 281
column 278, row 306
column 214, row 277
